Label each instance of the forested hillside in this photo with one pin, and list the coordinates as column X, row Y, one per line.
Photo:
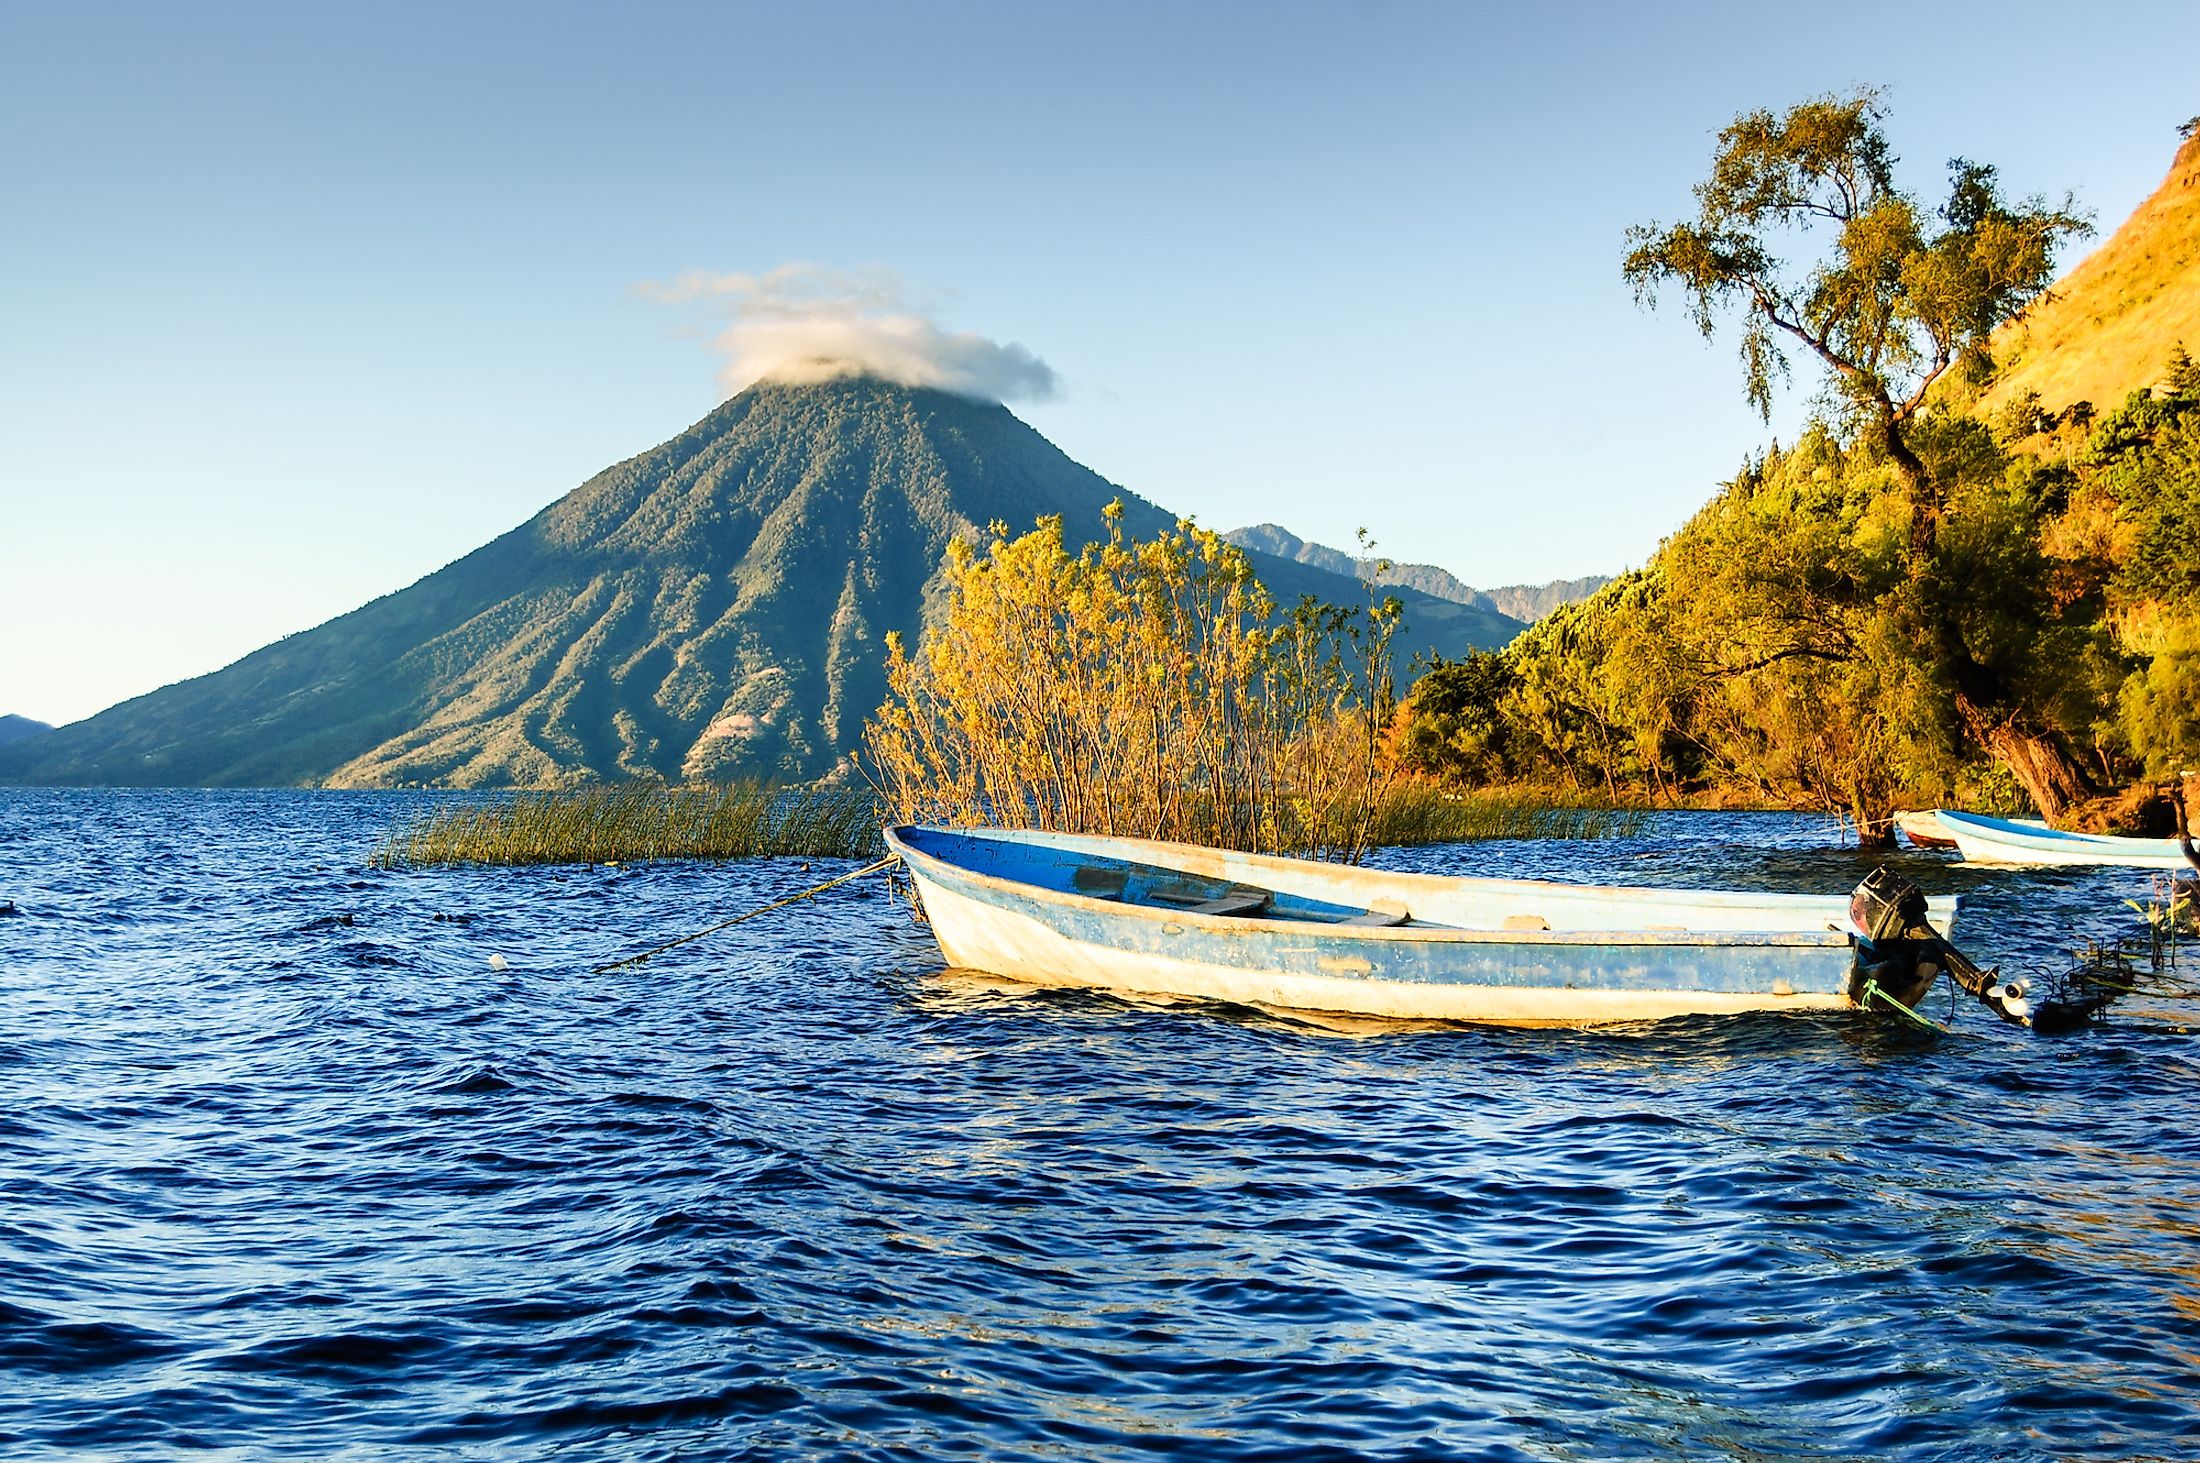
column 1918, row 602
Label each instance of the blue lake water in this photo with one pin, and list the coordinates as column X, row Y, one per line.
column 288, row 1167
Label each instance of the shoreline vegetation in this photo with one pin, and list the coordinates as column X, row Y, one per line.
column 1912, row 604
column 643, row 822
column 639, row 822
column 1154, row 689
column 1141, row 689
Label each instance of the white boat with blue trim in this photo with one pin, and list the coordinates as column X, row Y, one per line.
column 1999, row 841
column 1169, row 919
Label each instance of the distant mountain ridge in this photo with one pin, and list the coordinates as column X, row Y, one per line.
column 1526, row 603
column 713, row 607
column 1531, row 602
column 15, row 728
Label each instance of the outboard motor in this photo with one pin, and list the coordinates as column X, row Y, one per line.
column 1901, row 955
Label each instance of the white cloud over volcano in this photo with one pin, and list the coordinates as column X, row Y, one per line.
column 804, row 322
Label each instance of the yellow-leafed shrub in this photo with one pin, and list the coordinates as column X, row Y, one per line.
column 1143, row 689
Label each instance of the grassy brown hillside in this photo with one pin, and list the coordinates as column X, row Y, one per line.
column 2113, row 320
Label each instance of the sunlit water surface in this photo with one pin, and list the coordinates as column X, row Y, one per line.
column 288, row 1166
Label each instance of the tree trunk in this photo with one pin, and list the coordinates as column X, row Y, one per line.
column 1925, row 502
column 1874, row 815
column 1990, row 713
column 1988, row 708
column 2054, row 780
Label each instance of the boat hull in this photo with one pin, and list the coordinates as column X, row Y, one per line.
column 1556, row 977
column 1923, row 830
column 1996, row 841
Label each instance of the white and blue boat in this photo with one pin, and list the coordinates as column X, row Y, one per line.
column 1999, row 841
column 1143, row 918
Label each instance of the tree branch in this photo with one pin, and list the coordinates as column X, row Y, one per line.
column 1793, row 652
column 1942, row 359
column 1767, row 307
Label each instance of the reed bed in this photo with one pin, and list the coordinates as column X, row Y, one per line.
column 1416, row 811
column 642, row 821
column 635, row 822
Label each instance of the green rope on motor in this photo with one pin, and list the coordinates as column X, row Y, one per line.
column 1871, row 989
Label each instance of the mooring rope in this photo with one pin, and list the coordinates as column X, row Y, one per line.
column 752, row 914
column 1872, row 989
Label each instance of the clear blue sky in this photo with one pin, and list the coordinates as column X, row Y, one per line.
column 302, row 301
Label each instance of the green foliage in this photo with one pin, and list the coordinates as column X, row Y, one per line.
column 1850, row 599
column 1147, row 688
column 1780, row 647
column 1456, row 727
column 2129, row 537
column 1800, row 226
column 1905, row 604
column 2159, row 702
column 2023, row 417
column 2146, row 458
column 1601, row 687
column 2183, row 377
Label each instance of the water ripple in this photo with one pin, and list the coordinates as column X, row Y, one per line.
column 291, row 1164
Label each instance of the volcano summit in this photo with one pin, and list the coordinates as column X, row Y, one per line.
column 715, row 607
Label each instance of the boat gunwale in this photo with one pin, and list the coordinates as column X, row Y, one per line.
column 1381, row 934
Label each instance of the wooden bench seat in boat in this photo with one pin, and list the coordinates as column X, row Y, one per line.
column 1100, row 883
column 1238, row 901
column 1382, row 914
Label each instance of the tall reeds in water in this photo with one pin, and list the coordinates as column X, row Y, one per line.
column 637, row 821
column 1154, row 689
column 1417, row 810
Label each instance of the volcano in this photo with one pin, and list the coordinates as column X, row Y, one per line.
column 716, row 607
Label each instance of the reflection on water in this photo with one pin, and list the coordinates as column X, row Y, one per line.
column 292, row 1165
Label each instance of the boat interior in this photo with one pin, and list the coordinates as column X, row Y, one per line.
column 1253, row 887
column 1148, row 884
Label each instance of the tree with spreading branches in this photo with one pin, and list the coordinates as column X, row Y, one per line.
column 1801, row 231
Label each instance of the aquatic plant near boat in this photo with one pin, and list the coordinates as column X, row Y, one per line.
column 1144, row 689
column 633, row 822
column 1419, row 810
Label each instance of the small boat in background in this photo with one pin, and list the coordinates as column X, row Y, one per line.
column 1169, row 919
column 2000, row 841
column 1923, row 830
